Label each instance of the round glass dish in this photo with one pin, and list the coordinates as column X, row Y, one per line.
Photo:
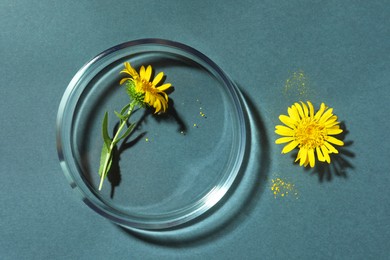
column 174, row 167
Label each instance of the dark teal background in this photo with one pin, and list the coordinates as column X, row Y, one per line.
column 343, row 48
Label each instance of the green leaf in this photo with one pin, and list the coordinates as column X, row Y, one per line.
column 106, row 137
column 105, row 156
column 127, row 133
column 123, row 116
column 124, row 109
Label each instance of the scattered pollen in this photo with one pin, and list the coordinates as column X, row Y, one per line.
column 201, row 113
column 146, row 139
column 281, row 188
column 296, row 85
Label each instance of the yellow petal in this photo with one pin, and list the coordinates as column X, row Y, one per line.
column 320, row 156
column 307, row 162
column 326, row 116
column 282, row 140
column 293, row 113
column 330, row 148
column 302, row 156
column 147, row 97
column 325, row 152
column 164, row 95
column 320, row 111
column 124, row 80
column 148, row 73
column 331, row 122
column 334, row 131
column 164, row 86
column 289, row 147
column 152, row 98
column 157, row 105
column 305, row 109
column 298, row 155
column 311, row 108
column 158, row 78
column 334, row 140
column 138, row 87
column 284, row 130
column 312, row 159
column 300, row 110
column 125, row 70
column 287, row 121
column 164, row 105
column 142, row 71
column 131, row 70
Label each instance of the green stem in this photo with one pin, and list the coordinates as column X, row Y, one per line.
column 113, row 143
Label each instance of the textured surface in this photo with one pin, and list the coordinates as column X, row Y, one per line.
column 278, row 52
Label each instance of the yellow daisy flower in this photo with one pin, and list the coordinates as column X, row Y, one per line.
column 152, row 95
column 311, row 132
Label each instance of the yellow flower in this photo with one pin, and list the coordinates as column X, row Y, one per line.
column 311, row 132
column 152, row 95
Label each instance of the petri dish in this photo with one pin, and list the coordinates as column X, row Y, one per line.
column 174, row 167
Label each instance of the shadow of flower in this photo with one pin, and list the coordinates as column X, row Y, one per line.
column 114, row 174
column 171, row 116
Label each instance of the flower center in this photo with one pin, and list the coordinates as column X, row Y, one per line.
column 310, row 134
column 147, row 86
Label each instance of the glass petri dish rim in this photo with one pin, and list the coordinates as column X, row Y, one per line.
column 66, row 154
